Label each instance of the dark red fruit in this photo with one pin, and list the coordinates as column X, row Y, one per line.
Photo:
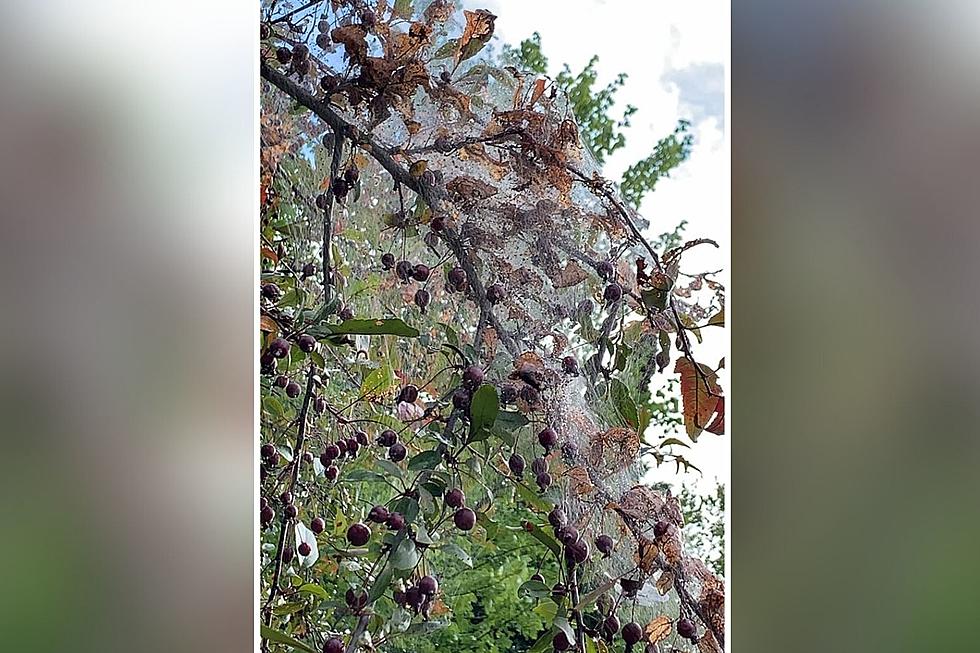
column 267, row 515
column 516, row 464
column 461, row 399
column 456, row 278
column 611, row 624
column 322, row 201
column 333, row 645
column 287, row 554
column 309, row 270
column 286, row 498
column 605, row 269
column 345, row 313
column 395, row 521
column 414, row 597
column 465, row 519
column 409, row 393
column 355, row 600
column 271, row 292
column 304, row 549
column 352, row 174
column 472, row 376
column 330, row 453
column 547, row 437
column 455, row 498
column 317, row 525
column 403, row 269
column 580, row 551
column 279, row 347
column 429, row 585
column 387, row 260
column 352, row 447
column 293, row 389
column 632, row 633
column 543, row 481
column 604, row 544
column 495, row 293
column 570, row 365
column 558, row 591
column 438, row 223
column 306, row 342
column 358, row 534
column 267, row 451
column 342, row 446
column 422, row 298
column 378, row 514
column 332, row 472
column 263, row 502
column 387, row 438
column 560, row 641
column 686, row 628
column 421, row 272
column 661, row 528
column 319, row 404
column 361, row 437
column 530, row 395
column 397, row 452
column 283, row 55
column 568, row 535
column 300, row 52
column 557, row 518
column 508, row 393
column 307, row 458
column 612, row 293
column 291, row 511
column 538, row 578
column 302, row 66
column 539, row 465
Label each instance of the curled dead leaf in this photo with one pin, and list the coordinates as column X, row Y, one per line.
column 658, row 629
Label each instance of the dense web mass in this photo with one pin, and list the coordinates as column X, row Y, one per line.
column 506, row 247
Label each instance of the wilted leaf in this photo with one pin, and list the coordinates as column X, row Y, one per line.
column 538, row 90
column 646, row 555
column 718, row 319
column 717, row 425
column 269, row 254
column 479, row 29
column 658, row 629
column 268, row 325
column 700, row 394
column 665, row 582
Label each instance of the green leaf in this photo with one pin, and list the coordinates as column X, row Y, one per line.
column 283, row 638
column 620, row 395
column 426, row 460
column 381, row 583
column 273, row 405
column 315, row 590
column 406, row 556
column 510, row 420
column 534, row 588
column 483, row 411
column 562, row 624
column 457, row 551
column 542, row 536
column 388, row 327
column 547, row 610
column 447, row 49
column 403, row 8
column 543, row 642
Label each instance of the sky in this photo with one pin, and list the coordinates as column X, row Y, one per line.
column 675, row 55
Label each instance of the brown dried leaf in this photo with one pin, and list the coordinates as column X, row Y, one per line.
column 658, row 628
column 269, row 254
column 646, row 555
column 268, row 325
column 538, row 90
column 479, row 29
column 665, row 582
column 579, row 480
column 700, row 393
column 571, row 275
column 438, row 12
column 354, row 39
column 707, row 643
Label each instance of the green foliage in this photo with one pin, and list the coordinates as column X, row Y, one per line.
column 670, row 151
column 705, row 530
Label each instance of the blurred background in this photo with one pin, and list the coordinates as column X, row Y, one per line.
column 127, row 176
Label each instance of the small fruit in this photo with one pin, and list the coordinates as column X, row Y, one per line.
column 355, row 600
column 428, row 585
column 395, row 521
column 421, row 272
column 267, row 515
column 281, row 381
column 267, row 450
column 508, row 393
column 568, row 535
column 611, row 624
column 560, row 641
column 306, row 342
column 286, row 498
column 422, row 298
column 322, row 201
column 605, row 269
column 461, row 399
column 632, row 633
column 378, row 514
column 577, row 552
column 358, row 534
column 465, row 519
column 361, row 437
column 472, row 376
column 612, row 293
column 537, row 578
column 352, row 447
column 387, row 260
column 279, row 347
column 516, row 464
column 604, row 544
column 287, row 554
column 271, row 292
column 661, row 528
column 455, row 498
column 300, row 52
column 456, row 278
column 397, row 452
column 293, row 389
column 304, row 549
column 387, row 438
column 557, row 518
column 317, row 525
column 404, row 270
column 686, row 628
column 438, row 223
column 291, row 511
column 342, row 446
column 346, row 313
column 558, row 591
column 414, row 597
column 409, row 393
column 330, row 452
column 332, row 472
column 283, row 55
column 547, row 437
column 319, row 404
column 333, row 645
column 570, row 365
column 539, row 465
column 543, row 481
column 495, row 293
